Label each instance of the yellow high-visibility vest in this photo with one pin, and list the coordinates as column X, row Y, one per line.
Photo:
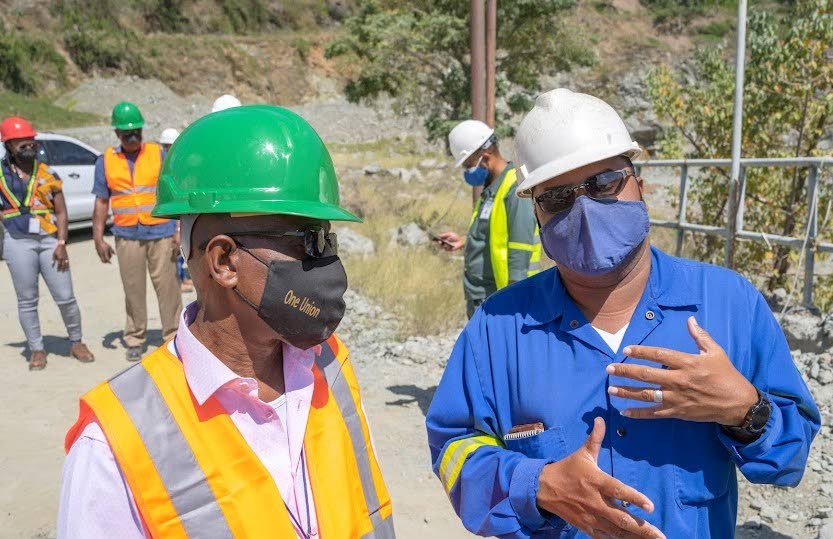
column 192, row 474
column 499, row 244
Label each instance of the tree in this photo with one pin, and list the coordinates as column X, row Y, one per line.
column 788, row 109
column 418, row 53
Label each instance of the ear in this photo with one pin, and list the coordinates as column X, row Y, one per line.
column 220, row 260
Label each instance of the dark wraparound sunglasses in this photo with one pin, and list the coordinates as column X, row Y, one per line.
column 605, row 185
column 316, row 240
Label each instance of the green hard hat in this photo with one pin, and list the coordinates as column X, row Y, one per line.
column 127, row 116
column 250, row 159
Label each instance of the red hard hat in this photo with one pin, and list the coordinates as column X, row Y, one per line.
column 15, row 127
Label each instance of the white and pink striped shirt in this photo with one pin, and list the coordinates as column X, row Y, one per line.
column 95, row 498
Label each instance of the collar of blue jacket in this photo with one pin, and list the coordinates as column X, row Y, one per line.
column 669, row 285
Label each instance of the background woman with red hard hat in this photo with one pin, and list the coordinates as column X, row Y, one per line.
column 34, row 216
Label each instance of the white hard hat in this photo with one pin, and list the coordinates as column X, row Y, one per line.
column 168, row 136
column 565, row 131
column 466, row 138
column 224, row 102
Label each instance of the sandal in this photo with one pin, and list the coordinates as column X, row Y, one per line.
column 37, row 361
column 80, row 352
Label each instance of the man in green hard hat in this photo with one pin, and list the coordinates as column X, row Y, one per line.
column 249, row 423
column 126, row 178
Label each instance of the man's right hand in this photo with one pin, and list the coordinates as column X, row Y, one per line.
column 105, row 252
column 578, row 491
column 451, row 241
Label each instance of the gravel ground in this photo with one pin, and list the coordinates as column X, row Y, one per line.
column 336, row 120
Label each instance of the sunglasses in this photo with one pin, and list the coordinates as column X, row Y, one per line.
column 131, row 133
column 605, row 185
column 317, row 243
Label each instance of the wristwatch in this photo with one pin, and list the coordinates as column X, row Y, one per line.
column 754, row 422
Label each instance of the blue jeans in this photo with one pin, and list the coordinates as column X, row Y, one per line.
column 29, row 256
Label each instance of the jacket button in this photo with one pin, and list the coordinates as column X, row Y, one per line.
column 574, row 324
column 622, row 432
column 649, row 315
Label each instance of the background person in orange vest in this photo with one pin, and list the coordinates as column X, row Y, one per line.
column 34, row 216
column 249, row 423
column 125, row 182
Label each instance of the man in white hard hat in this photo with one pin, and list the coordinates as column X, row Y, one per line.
column 225, row 101
column 502, row 244
column 617, row 393
column 167, row 138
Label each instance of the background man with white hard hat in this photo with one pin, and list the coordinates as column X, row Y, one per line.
column 681, row 363
column 167, row 138
column 225, row 101
column 502, row 243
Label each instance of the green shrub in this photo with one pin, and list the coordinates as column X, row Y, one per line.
column 22, row 58
column 166, row 16
column 716, row 29
column 102, row 49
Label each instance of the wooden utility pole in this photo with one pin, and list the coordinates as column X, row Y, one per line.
column 491, row 52
column 483, row 30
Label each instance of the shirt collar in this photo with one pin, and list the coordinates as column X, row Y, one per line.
column 669, row 286
column 205, row 373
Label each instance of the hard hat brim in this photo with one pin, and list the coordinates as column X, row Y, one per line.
column 129, row 125
column 459, row 162
column 298, row 208
column 569, row 163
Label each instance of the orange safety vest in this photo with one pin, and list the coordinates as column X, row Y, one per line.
column 193, row 475
column 43, row 184
column 133, row 196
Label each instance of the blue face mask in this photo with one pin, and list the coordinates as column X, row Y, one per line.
column 476, row 175
column 594, row 237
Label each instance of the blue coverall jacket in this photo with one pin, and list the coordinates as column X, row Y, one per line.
column 529, row 355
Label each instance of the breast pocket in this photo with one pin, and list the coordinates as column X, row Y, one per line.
column 550, row 444
column 703, row 467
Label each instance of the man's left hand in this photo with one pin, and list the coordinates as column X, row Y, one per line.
column 705, row 387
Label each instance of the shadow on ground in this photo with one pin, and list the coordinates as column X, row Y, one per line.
column 55, row 346
column 416, row 394
column 154, row 339
column 752, row 530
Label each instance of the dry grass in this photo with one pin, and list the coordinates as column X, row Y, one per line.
column 420, row 285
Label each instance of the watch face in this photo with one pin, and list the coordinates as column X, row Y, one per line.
column 760, row 416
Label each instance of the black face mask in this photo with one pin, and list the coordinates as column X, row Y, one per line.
column 26, row 155
column 303, row 300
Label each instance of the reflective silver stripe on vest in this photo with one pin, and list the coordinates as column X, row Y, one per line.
column 121, row 193
column 144, row 189
column 331, row 368
column 132, row 209
column 383, row 531
column 183, row 478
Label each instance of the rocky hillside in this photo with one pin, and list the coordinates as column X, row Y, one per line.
column 273, row 51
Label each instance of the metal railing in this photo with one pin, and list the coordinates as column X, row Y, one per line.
column 807, row 244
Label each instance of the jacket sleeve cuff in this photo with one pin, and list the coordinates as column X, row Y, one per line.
column 742, row 452
column 523, row 494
